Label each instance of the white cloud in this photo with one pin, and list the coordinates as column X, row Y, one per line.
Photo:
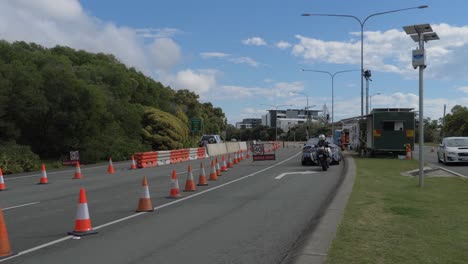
column 165, row 53
column 157, row 32
column 283, row 45
column 208, row 55
column 390, row 51
column 255, row 41
column 201, row 82
column 245, row 60
column 276, row 90
column 463, row 89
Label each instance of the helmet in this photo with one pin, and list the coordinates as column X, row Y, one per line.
column 322, row 137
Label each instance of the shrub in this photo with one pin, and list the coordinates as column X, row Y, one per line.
column 16, row 158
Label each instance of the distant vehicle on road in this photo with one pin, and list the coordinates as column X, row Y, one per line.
column 309, row 152
column 453, row 149
column 209, row 139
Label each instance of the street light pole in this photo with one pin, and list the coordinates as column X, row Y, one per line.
column 362, row 23
column 332, row 75
column 276, row 117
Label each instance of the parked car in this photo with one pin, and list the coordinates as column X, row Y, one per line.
column 309, row 149
column 209, row 139
column 453, row 149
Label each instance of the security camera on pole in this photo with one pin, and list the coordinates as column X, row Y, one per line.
column 420, row 33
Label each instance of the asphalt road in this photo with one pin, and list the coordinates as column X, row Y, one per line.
column 254, row 213
column 430, row 156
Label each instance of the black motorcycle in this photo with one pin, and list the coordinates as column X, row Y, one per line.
column 321, row 157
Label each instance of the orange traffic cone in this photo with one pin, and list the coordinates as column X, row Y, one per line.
column 224, row 166
column 190, row 182
column 77, row 171
column 248, row 154
column 202, row 177
column 43, row 179
column 144, row 204
column 5, row 249
column 241, row 155
column 175, row 193
column 110, row 168
column 236, row 159
column 133, row 166
column 229, row 165
column 82, row 221
column 218, row 168
column 213, row 175
column 2, row 182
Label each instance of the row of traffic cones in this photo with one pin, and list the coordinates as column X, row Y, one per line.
column 83, row 224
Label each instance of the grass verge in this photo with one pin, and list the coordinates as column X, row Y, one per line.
column 389, row 219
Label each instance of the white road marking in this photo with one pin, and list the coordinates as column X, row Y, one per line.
column 21, row 205
column 155, row 208
column 296, row 172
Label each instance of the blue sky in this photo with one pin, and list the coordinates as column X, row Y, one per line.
column 242, row 54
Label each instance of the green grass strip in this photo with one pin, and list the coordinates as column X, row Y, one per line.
column 389, row 219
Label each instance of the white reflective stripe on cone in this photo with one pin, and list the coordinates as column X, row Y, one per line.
column 145, row 192
column 82, row 212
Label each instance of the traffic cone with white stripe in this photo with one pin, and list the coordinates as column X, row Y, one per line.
column 213, row 175
column 110, row 168
column 77, row 171
column 190, row 182
column 2, row 182
column 5, row 249
column 218, row 168
column 224, row 166
column 133, row 166
column 241, row 155
column 43, row 179
column 82, row 221
column 229, row 165
column 202, row 177
column 248, row 154
column 175, row 192
column 144, row 204
column 236, row 158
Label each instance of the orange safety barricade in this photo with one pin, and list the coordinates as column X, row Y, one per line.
column 147, row 159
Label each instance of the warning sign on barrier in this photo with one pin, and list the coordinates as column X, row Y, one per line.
column 258, row 151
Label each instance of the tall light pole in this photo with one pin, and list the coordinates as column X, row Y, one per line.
column 276, row 117
column 362, row 22
column 420, row 34
column 370, row 100
column 332, row 75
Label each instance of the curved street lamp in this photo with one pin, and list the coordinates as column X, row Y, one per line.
column 332, row 75
column 370, row 100
column 276, row 117
column 362, row 22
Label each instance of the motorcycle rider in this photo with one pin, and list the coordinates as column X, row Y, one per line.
column 323, row 143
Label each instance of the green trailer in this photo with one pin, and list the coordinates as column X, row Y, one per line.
column 388, row 130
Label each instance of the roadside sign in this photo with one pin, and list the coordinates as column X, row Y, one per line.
column 196, row 124
column 258, row 151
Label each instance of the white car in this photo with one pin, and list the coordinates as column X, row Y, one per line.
column 453, row 149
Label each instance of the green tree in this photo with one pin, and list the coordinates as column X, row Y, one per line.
column 456, row 122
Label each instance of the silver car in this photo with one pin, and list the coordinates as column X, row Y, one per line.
column 453, row 149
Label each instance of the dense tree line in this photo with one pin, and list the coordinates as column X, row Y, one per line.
column 60, row 99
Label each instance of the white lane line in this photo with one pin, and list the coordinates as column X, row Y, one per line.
column 296, row 172
column 138, row 214
column 456, row 173
column 21, row 205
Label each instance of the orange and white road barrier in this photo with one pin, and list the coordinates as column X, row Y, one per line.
column 77, row 171
column 43, row 179
column 213, row 175
column 110, row 168
column 202, row 177
column 133, row 166
column 175, row 192
column 224, row 166
column 2, row 182
column 218, row 168
column 144, row 204
column 5, row 249
column 229, row 165
column 190, row 182
column 82, row 221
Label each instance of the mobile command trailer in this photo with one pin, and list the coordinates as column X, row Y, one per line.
column 389, row 130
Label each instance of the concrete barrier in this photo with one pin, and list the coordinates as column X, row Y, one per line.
column 216, row 149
